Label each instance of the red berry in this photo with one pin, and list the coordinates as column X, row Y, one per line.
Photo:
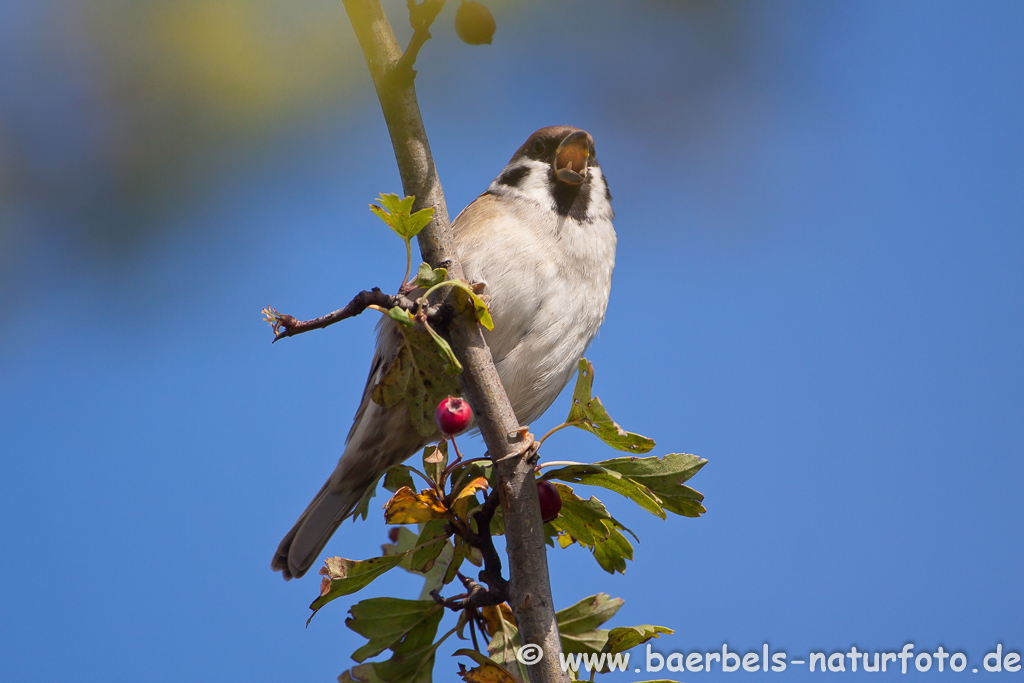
column 550, row 501
column 453, row 415
column 474, row 23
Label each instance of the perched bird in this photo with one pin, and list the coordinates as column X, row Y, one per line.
column 541, row 239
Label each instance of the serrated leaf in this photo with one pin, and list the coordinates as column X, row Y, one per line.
column 402, row 316
column 417, row 221
column 395, row 214
column 589, row 523
column 623, row 638
column 416, row 376
column 589, row 414
column 664, row 477
column 386, row 621
column 392, row 204
column 409, row 507
column 596, row 475
column 582, row 519
column 587, row 614
column 344, row 577
column 578, row 624
column 413, row 658
column 612, row 552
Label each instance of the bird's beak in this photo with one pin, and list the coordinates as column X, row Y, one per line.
column 571, row 158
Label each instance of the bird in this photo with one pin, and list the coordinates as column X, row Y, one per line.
column 541, row 241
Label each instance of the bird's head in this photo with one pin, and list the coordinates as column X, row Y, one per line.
column 557, row 167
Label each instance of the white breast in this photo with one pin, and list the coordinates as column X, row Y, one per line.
column 549, row 278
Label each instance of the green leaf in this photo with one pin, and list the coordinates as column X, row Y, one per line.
column 446, row 562
column 664, row 477
column 423, row 558
column 458, row 557
column 584, row 520
column 402, row 316
column 625, row 637
column 587, row 614
column 435, row 460
column 395, row 213
column 596, row 475
column 589, row 523
column 362, row 508
column 386, row 621
column 363, row 673
column 434, row 579
column 416, row 376
column 427, row 277
column 410, row 638
column 504, row 645
column 397, row 477
column 613, row 552
column 344, row 577
column 452, row 365
column 588, row 413
column 577, row 624
column 480, row 309
column 405, row 540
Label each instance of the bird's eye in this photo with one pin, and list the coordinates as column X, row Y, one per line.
column 537, row 148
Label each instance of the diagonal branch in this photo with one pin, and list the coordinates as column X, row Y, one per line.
column 529, row 585
column 288, row 326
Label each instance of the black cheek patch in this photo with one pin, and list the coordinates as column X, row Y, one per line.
column 571, row 200
column 513, row 176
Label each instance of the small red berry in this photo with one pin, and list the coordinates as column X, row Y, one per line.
column 474, row 23
column 453, row 415
column 550, row 501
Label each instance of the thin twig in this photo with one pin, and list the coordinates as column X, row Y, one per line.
column 288, row 326
column 421, row 17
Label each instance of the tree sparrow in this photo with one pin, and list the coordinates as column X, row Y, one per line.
column 542, row 240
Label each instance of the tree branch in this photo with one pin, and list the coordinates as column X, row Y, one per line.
column 529, row 585
column 289, row 326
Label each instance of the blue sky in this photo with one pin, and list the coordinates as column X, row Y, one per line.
column 819, row 288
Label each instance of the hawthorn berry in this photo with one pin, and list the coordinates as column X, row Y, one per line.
column 550, row 501
column 474, row 23
column 453, row 415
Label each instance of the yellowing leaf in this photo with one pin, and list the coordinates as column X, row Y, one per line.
column 465, row 497
column 491, row 617
column 488, row 671
column 408, row 507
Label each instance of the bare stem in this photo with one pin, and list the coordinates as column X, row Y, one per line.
column 288, row 326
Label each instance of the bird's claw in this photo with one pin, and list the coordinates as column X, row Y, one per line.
column 528, row 444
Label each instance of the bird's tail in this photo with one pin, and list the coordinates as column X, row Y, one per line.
column 302, row 545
